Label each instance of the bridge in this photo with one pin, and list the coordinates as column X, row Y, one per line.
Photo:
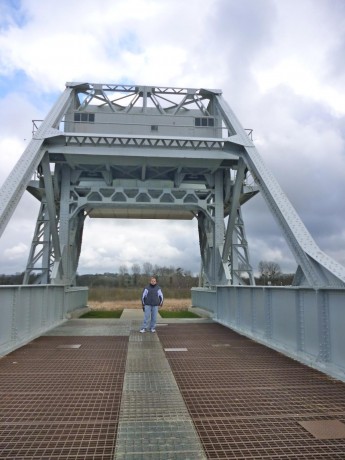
column 131, row 151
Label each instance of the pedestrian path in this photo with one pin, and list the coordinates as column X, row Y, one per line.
column 98, row 389
column 132, row 314
column 136, row 314
column 154, row 422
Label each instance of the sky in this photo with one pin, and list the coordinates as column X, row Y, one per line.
column 279, row 63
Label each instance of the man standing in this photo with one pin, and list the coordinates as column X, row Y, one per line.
column 151, row 299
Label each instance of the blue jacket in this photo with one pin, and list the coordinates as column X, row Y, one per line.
column 152, row 295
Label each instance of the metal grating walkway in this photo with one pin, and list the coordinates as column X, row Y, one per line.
column 250, row 402
column 60, row 401
column 97, row 389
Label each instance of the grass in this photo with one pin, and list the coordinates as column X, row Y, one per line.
column 106, row 293
column 178, row 314
column 118, row 313
column 169, row 304
column 103, row 314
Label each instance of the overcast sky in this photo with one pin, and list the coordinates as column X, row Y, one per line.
column 280, row 64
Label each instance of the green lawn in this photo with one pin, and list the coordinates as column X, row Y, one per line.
column 103, row 314
column 178, row 314
column 118, row 313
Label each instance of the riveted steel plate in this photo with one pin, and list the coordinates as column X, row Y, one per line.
column 325, row 429
column 45, row 343
column 69, row 346
column 175, row 349
column 93, row 330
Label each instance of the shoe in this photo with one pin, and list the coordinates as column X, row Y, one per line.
column 142, row 330
column 153, row 330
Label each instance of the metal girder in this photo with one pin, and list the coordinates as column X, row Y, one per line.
column 238, row 258
column 151, row 142
column 135, row 151
column 235, row 204
column 45, row 257
column 126, row 97
column 49, row 192
column 40, row 260
column 16, row 183
column 207, row 253
column 235, row 253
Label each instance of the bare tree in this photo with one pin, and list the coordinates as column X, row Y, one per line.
column 136, row 272
column 164, row 271
column 123, row 270
column 136, row 269
column 269, row 271
column 147, row 268
column 123, row 275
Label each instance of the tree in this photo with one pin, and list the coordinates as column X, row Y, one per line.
column 269, row 271
column 123, row 275
column 136, row 269
column 136, row 272
column 123, row 270
column 147, row 268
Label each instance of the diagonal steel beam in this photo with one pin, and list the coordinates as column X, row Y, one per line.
column 17, row 181
column 49, row 191
column 319, row 269
column 235, row 203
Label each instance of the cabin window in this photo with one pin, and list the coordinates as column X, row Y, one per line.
column 204, row 121
column 84, row 117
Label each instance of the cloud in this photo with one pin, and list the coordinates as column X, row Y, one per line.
column 279, row 65
column 16, row 252
column 163, row 243
column 9, row 147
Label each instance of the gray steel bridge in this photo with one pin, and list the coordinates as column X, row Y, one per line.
column 131, row 151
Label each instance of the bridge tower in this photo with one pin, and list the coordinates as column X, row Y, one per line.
column 148, row 152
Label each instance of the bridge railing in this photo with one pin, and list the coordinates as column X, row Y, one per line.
column 303, row 323
column 28, row 311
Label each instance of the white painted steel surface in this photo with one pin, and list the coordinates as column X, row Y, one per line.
column 304, row 323
column 29, row 311
column 189, row 156
column 16, row 183
column 108, row 150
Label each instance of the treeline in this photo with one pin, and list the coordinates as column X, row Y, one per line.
column 17, row 278
column 135, row 276
column 138, row 276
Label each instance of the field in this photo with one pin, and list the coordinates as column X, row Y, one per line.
column 169, row 304
column 110, row 298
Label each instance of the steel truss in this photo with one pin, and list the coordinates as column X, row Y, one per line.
column 125, row 151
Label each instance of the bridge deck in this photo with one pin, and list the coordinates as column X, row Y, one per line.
column 98, row 389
